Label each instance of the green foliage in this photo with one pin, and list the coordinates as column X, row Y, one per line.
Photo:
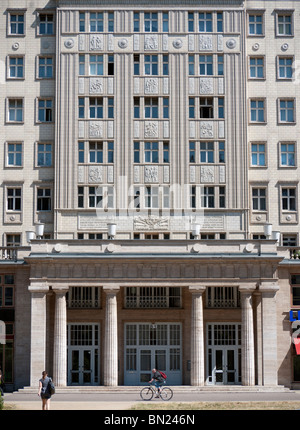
column 1, row 402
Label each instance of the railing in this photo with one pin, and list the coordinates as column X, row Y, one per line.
column 9, row 253
column 294, row 253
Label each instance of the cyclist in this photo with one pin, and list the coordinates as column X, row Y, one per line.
column 158, row 380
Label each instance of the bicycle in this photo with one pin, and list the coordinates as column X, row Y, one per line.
column 147, row 393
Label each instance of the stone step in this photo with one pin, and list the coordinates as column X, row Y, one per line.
column 178, row 389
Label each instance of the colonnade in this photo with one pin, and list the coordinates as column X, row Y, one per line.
column 266, row 349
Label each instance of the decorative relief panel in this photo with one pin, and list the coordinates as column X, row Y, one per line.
column 191, row 42
column 151, row 86
column 220, row 42
column 110, row 174
column 222, row 174
column 81, row 85
column 166, row 131
column 151, row 129
column 81, row 129
column 80, row 174
column 95, row 129
column 205, row 42
column 110, row 85
column 96, row 42
column 136, row 42
column 166, row 174
column 151, row 173
column 192, row 129
column 192, row 174
column 221, row 85
column 207, row 174
column 136, row 85
column 206, row 86
column 95, row 174
column 191, row 85
column 110, row 129
column 136, row 174
column 166, row 85
column 81, row 42
column 221, row 129
column 96, row 85
column 206, row 129
column 110, row 42
column 151, row 223
column 151, row 42
column 165, row 42
column 136, row 129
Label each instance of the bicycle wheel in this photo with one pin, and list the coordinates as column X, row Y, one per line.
column 146, row 393
column 166, row 393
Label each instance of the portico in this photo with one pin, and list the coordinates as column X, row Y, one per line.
column 167, row 293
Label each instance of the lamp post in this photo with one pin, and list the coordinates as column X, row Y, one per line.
column 196, row 231
column 112, row 229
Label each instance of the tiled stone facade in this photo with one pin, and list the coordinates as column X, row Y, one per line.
column 155, row 118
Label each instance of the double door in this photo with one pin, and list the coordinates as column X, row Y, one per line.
column 225, row 366
column 83, row 354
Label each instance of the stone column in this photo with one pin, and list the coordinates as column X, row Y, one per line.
column 111, row 336
column 248, row 360
column 38, row 333
column 197, row 336
column 60, row 339
column 268, row 291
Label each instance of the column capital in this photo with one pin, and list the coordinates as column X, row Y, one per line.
column 268, row 286
column 41, row 287
column 197, row 289
column 60, row 288
column 247, row 288
column 111, row 288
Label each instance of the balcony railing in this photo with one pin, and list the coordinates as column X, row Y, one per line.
column 9, row 253
column 294, row 253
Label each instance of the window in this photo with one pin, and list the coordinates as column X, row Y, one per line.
column 95, row 197
column 16, row 24
column 81, row 22
column 136, row 152
column 151, row 107
column 6, row 291
column 151, row 22
column 165, row 22
column 191, row 107
column 193, row 196
column 223, row 297
column 110, row 152
column 221, row 152
column 222, row 201
column 80, row 196
column 14, row 199
column 206, row 107
column 136, row 107
column 43, row 199
column 165, row 65
column 219, row 22
column 220, row 65
column 287, row 154
column 136, row 64
column 81, row 109
column 15, row 110
column 205, row 64
column 14, row 154
column 81, row 64
column 45, row 67
column 166, row 156
column 206, row 152
column 96, row 22
column 16, row 67
column 165, row 107
column 259, row 199
column 83, row 297
column 255, row 24
column 45, row 110
column 152, row 297
column 151, row 197
column 96, row 107
column 96, row 65
column 80, row 152
column 46, row 24
column 257, row 111
column 110, row 20
column 208, row 197
column 295, row 281
column 191, row 21
column 110, row 107
column 256, row 68
column 110, row 65
column 44, row 154
column 284, row 24
column 285, row 67
column 96, row 152
column 286, row 111
column 192, row 152
column 151, row 152
column 288, row 199
column 151, row 65
column 136, row 22
column 221, row 111
column 191, row 65
column 289, row 240
column 205, row 22
column 258, row 154
column 13, row 240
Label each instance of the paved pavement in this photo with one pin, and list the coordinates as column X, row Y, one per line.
column 125, row 400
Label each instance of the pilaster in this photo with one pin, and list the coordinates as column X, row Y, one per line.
column 60, row 338
column 248, row 357
column 197, row 336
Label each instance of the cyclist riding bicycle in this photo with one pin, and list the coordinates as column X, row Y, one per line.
column 158, row 380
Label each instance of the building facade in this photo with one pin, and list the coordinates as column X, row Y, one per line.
column 150, row 192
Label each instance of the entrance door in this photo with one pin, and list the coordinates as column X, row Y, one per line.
column 224, row 366
column 224, row 354
column 83, row 354
column 151, row 346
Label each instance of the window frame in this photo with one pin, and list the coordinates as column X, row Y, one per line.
column 17, row 12
column 15, row 153
column 256, row 66
column 284, row 13
column 287, row 152
column 256, row 13
column 286, row 110
column 48, row 24
column 9, row 67
column 257, row 110
column 16, row 109
column 44, row 154
column 284, row 57
column 259, row 198
column 258, row 152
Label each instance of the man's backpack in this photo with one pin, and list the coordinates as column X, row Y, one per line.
column 163, row 374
